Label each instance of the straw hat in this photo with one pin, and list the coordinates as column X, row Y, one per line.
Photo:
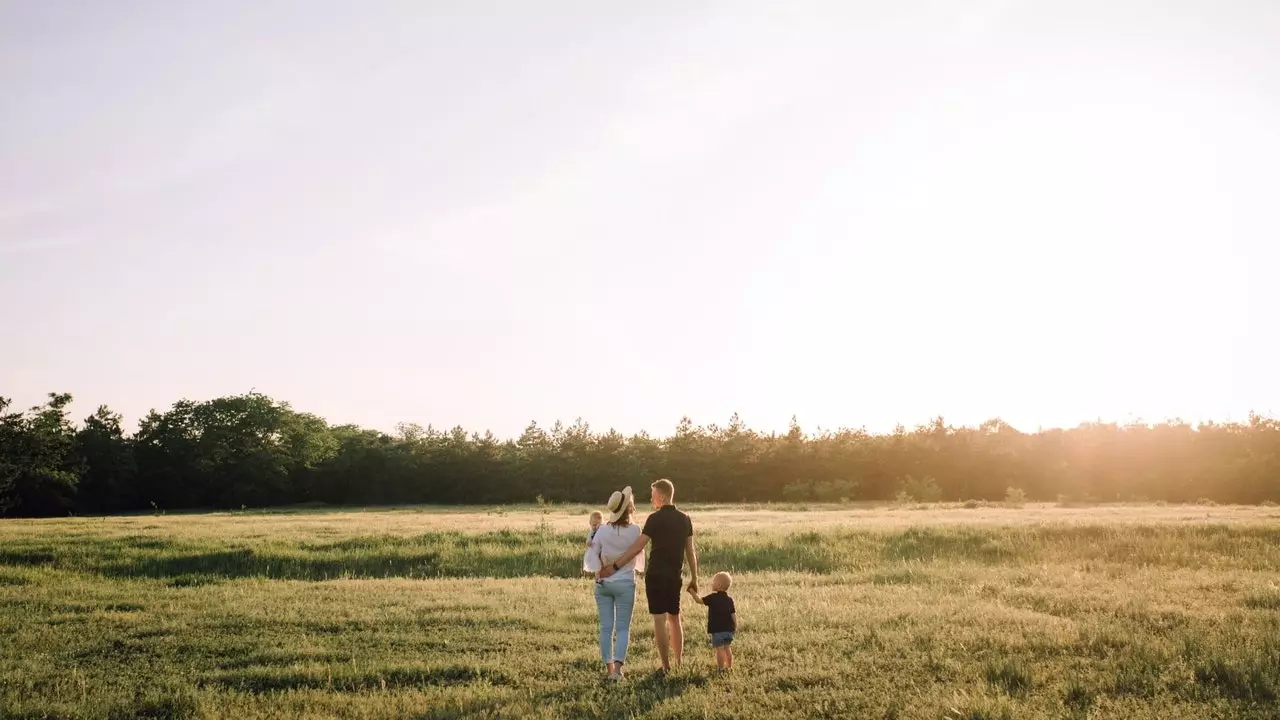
column 618, row 503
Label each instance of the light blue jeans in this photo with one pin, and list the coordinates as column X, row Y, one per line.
column 614, row 601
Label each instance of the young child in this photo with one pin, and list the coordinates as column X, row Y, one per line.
column 591, row 562
column 722, row 619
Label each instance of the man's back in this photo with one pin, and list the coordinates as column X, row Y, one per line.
column 667, row 529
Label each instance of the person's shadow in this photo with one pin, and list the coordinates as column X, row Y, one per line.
column 637, row 695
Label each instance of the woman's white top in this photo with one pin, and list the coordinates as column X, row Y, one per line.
column 609, row 544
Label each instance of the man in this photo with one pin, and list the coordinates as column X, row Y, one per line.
column 671, row 533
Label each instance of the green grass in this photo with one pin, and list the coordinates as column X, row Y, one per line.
column 1133, row 612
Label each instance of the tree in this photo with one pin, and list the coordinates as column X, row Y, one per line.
column 229, row 452
column 12, row 447
column 40, row 472
column 252, row 450
column 109, row 466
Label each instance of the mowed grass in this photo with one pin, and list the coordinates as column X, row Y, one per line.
column 940, row 612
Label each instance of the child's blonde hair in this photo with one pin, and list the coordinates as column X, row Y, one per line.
column 721, row 581
column 596, row 518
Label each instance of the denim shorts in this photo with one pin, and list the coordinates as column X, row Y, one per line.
column 721, row 639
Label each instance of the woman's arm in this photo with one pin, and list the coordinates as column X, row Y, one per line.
column 626, row 556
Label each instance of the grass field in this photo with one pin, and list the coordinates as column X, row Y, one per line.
column 889, row 612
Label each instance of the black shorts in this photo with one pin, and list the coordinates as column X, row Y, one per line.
column 663, row 594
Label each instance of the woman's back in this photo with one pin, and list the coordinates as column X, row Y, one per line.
column 613, row 540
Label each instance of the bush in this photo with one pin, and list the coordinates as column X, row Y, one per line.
column 1069, row 501
column 923, row 490
column 797, row 491
column 835, row 491
column 1015, row 496
column 828, row 491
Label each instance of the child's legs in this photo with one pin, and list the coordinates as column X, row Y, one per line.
column 624, row 603
column 605, row 609
column 721, row 643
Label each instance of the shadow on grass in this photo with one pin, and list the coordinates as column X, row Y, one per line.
column 189, row 562
column 930, row 544
column 151, row 703
column 472, row 710
column 637, row 696
column 501, row 554
column 280, row 659
column 259, row 680
column 1250, row 680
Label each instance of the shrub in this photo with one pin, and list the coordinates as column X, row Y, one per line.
column 919, row 490
column 797, row 490
column 836, row 490
column 1015, row 496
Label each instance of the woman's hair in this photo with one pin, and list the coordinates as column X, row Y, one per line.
column 625, row 518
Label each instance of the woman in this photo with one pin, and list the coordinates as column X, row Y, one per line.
column 616, row 594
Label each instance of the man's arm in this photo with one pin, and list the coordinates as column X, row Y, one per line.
column 625, row 557
column 691, row 555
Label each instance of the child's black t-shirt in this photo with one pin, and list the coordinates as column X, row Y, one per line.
column 720, row 613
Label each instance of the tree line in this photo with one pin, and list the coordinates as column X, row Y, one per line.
column 253, row 451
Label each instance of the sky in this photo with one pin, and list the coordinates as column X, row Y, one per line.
column 859, row 213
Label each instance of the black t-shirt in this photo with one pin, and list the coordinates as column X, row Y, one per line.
column 667, row 529
column 720, row 613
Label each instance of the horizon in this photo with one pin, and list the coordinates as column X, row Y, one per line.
column 1049, row 212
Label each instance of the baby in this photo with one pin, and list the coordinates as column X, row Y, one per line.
column 590, row 563
column 722, row 619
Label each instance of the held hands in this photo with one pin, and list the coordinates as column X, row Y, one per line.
column 693, row 593
column 693, row 586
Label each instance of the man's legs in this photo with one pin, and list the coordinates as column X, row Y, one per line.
column 660, row 637
column 677, row 637
column 663, row 594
